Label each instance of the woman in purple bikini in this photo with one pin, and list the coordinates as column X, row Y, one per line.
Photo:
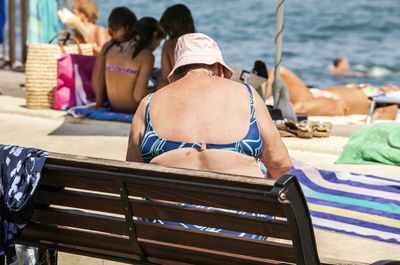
column 128, row 66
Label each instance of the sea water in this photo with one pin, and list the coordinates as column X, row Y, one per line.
column 315, row 32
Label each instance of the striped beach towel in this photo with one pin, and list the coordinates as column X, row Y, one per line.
column 360, row 205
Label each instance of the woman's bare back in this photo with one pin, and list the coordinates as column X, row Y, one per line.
column 121, row 74
column 207, row 111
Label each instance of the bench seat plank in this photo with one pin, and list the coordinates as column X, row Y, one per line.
column 166, row 233
column 117, row 248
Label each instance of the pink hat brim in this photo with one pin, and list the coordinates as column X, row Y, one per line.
column 200, row 59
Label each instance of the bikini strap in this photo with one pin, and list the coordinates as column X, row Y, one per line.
column 147, row 110
column 252, row 108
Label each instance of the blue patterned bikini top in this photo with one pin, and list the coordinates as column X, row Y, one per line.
column 153, row 145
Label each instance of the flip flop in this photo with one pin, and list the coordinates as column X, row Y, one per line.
column 319, row 129
column 283, row 133
column 297, row 129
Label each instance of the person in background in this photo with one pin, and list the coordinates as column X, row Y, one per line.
column 128, row 66
column 185, row 124
column 332, row 101
column 260, row 69
column 121, row 23
column 176, row 21
column 87, row 12
column 341, row 68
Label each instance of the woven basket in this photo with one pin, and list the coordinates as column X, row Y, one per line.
column 41, row 71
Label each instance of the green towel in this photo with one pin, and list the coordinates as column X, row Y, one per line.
column 376, row 143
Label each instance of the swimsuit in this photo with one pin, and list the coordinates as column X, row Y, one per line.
column 153, row 145
column 318, row 93
column 368, row 89
column 121, row 69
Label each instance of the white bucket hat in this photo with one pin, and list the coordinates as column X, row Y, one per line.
column 198, row 48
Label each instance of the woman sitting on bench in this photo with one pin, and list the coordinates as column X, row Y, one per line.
column 203, row 120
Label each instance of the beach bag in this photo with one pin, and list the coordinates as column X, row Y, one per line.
column 74, row 81
column 41, row 68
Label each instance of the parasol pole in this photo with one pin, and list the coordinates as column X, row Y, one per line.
column 280, row 91
column 278, row 38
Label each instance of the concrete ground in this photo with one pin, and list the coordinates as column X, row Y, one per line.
column 53, row 131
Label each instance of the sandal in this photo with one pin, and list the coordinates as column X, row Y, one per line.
column 319, row 129
column 300, row 130
column 283, row 133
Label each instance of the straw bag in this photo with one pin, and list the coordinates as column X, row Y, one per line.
column 41, row 68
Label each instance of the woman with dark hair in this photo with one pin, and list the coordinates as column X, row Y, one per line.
column 128, row 65
column 121, row 23
column 176, row 21
column 260, row 69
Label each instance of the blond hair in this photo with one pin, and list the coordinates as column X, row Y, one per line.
column 87, row 7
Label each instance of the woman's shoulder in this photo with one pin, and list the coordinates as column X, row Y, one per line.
column 146, row 54
column 100, row 29
column 170, row 43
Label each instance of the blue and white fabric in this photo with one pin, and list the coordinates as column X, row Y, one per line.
column 43, row 22
column 20, row 170
column 101, row 114
column 360, row 205
column 355, row 204
column 218, row 230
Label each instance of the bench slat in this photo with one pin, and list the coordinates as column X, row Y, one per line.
column 165, row 211
column 116, row 166
column 170, row 192
column 166, row 233
column 117, row 248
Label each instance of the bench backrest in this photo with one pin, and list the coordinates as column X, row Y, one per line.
column 95, row 207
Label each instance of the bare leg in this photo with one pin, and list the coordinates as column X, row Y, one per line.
column 322, row 107
column 356, row 101
column 385, row 113
column 299, row 92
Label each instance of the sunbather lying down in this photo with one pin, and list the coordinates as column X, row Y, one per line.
column 332, row 101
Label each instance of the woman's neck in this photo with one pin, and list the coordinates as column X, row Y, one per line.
column 201, row 71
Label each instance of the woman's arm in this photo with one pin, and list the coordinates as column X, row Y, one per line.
column 101, row 38
column 135, row 137
column 275, row 155
column 140, row 89
column 166, row 66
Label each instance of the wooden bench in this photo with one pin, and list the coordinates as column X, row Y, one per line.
column 95, row 207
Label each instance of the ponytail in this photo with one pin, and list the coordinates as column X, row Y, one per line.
column 143, row 33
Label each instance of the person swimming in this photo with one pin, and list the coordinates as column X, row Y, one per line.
column 341, row 68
